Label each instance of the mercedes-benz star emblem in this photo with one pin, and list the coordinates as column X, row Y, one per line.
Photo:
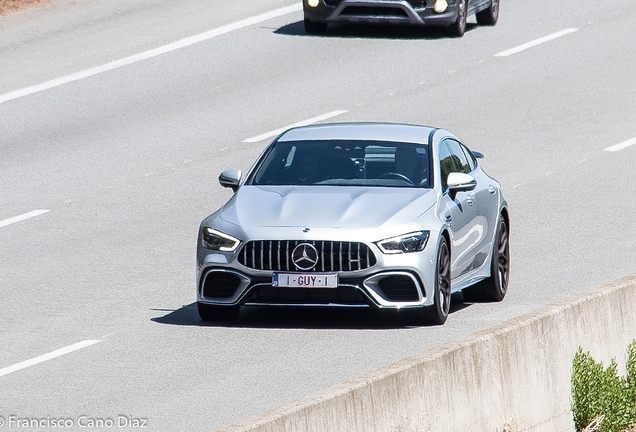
column 305, row 256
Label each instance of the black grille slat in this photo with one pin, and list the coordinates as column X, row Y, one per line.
column 275, row 255
column 322, row 255
column 331, row 254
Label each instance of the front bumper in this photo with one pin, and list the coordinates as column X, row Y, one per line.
column 413, row 12
column 393, row 282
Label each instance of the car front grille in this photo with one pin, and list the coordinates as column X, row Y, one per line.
column 374, row 11
column 333, row 256
column 414, row 3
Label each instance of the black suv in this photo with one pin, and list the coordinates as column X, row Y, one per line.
column 448, row 13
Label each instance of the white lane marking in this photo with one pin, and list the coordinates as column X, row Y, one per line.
column 53, row 354
column 300, row 123
column 151, row 53
column 535, row 42
column 621, row 146
column 22, row 217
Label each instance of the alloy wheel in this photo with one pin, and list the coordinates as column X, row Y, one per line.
column 443, row 279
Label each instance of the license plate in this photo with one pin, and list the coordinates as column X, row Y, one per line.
column 305, row 280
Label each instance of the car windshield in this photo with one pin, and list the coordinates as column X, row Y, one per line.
column 344, row 163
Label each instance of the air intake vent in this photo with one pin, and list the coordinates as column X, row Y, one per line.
column 365, row 11
column 398, row 288
column 220, row 284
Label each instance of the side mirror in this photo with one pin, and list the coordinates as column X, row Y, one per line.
column 477, row 155
column 231, row 179
column 460, row 182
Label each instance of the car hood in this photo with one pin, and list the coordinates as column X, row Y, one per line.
column 326, row 206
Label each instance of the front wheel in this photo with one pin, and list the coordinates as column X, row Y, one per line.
column 489, row 16
column 218, row 313
column 496, row 286
column 458, row 28
column 438, row 312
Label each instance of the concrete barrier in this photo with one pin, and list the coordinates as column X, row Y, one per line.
column 513, row 377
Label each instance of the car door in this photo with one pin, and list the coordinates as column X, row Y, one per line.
column 486, row 205
column 459, row 211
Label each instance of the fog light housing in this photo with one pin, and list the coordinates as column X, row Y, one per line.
column 313, row 3
column 440, row 6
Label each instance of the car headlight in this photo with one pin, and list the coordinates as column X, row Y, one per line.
column 216, row 240
column 440, row 6
column 412, row 242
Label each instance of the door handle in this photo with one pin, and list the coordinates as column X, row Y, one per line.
column 448, row 218
column 492, row 189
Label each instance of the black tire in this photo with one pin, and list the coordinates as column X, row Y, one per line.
column 489, row 16
column 218, row 313
column 438, row 312
column 458, row 28
column 315, row 28
column 496, row 286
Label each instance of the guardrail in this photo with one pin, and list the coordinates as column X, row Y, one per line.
column 515, row 376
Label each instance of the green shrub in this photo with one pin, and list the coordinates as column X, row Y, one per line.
column 597, row 391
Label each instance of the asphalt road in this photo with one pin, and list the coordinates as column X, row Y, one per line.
column 126, row 163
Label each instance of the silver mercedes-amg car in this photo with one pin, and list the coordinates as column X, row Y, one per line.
column 356, row 215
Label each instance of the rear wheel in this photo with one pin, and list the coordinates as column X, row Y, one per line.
column 218, row 313
column 489, row 16
column 458, row 28
column 495, row 287
column 438, row 312
column 315, row 28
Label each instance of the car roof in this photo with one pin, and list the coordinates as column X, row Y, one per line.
column 395, row 132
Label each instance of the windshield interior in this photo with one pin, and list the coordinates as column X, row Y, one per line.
column 345, row 163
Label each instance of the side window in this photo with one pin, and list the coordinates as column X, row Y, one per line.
column 448, row 162
column 457, row 151
column 472, row 161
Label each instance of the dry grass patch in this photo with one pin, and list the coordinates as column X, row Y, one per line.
column 8, row 6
